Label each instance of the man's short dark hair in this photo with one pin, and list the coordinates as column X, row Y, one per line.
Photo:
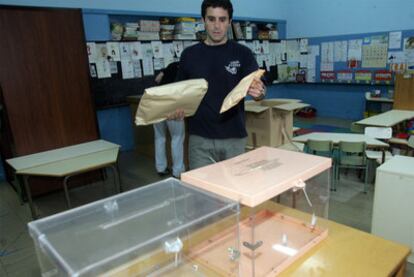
column 225, row 4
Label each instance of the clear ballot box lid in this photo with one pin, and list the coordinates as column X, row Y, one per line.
column 96, row 238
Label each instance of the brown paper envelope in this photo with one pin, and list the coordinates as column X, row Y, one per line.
column 240, row 91
column 160, row 101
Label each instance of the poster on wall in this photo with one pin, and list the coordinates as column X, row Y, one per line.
column 374, row 53
column 395, row 39
column 355, row 49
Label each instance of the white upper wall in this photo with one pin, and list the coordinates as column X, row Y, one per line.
column 313, row 18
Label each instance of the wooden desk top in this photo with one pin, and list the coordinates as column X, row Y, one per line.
column 387, row 119
column 345, row 252
column 337, row 137
column 67, row 160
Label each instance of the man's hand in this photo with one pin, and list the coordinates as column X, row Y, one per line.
column 177, row 115
column 257, row 89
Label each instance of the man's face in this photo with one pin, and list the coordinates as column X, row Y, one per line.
column 216, row 23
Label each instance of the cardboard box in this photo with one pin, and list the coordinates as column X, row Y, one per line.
column 270, row 122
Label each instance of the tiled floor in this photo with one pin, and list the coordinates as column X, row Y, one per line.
column 348, row 205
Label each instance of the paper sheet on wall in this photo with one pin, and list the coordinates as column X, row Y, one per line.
column 257, row 47
column 292, row 50
column 158, row 63
column 327, row 55
column 340, row 51
column 303, row 60
column 103, row 68
column 168, row 50
column 168, row 60
column 276, row 50
column 91, row 49
column 113, row 51
column 125, row 50
column 137, row 68
column 147, row 66
column 92, row 70
column 101, row 52
column 127, row 69
column 147, row 50
column 327, row 66
column 396, row 59
column 374, row 56
column 136, row 50
column 409, row 49
column 157, row 49
column 355, row 49
column 303, row 45
column 394, row 41
column 313, row 50
column 178, row 48
column 265, row 47
column 114, row 67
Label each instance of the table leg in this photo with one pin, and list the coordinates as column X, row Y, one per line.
column 29, row 196
column 65, row 187
column 116, row 177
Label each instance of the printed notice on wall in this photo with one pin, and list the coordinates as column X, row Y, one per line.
column 355, row 49
column 394, row 40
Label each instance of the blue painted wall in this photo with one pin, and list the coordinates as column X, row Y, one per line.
column 327, row 17
column 325, row 20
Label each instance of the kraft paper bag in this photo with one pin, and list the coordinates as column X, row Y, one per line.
column 160, row 101
column 240, row 91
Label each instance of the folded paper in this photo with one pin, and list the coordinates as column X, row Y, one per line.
column 158, row 102
column 240, row 91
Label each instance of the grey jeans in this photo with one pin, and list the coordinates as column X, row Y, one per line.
column 204, row 151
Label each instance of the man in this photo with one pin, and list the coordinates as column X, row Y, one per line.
column 176, row 129
column 223, row 63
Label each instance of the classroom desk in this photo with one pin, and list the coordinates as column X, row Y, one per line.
column 67, row 162
column 387, row 119
column 337, row 137
column 346, row 252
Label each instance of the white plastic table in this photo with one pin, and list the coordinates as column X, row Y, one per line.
column 67, row 162
column 387, row 119
column 337, row 137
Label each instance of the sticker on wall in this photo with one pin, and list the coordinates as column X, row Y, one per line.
column 383, row 76
column 363, row 76
column 328, row 76
column 344, row 76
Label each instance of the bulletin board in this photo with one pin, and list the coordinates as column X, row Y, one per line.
column 367, row 59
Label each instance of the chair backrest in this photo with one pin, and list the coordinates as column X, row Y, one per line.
column 356, row 128
column 352, row 153
column 319, row 145
column 378, row 132
column 354, row 147
column 411, row 141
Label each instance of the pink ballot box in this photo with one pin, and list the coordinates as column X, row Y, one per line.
column 269, row 241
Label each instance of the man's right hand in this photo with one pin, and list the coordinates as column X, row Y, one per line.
column 177, row 115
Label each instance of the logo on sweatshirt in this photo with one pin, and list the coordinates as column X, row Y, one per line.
column 232, row 67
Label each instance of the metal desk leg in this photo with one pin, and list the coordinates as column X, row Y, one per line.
column 116, row 177
column 29, row 196
column 65, row 187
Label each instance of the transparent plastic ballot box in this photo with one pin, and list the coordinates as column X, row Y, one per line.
column 263, row 180
column 158, row 230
